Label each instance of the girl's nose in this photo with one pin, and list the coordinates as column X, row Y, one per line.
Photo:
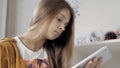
column 62, row 27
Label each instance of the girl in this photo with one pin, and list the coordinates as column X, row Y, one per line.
column 48, row 43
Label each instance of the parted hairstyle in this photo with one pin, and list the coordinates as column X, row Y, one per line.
column 59, row 51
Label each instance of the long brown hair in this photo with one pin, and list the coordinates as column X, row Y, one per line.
column 59, row 50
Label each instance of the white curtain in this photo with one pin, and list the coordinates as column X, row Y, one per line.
column 3, row 11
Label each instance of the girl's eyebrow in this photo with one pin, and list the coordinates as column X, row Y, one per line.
column 64, row 17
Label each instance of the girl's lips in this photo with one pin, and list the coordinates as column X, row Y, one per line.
column 57, row 33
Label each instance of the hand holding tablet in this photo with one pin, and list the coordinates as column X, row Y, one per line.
column 102, row 52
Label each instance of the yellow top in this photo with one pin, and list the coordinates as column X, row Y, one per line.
column 9, row 54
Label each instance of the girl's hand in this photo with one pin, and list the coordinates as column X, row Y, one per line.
column 95, row 63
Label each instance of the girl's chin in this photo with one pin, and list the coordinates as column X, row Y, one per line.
column 52, row 38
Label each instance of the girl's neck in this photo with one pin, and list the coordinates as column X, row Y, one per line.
column 32, row 41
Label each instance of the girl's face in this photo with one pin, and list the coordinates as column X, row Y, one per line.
column 58, row 24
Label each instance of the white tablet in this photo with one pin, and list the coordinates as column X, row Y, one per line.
column 102, row 52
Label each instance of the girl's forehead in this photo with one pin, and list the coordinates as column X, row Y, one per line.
column 65, row 13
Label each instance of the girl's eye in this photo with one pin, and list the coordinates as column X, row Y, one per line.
column 59, row 19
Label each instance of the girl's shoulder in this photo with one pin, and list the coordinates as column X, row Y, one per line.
column 7, row 43
column 7, row 40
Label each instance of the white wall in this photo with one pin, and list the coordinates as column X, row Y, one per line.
column 3, row 10
column 97, row 15
column 19, row 15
